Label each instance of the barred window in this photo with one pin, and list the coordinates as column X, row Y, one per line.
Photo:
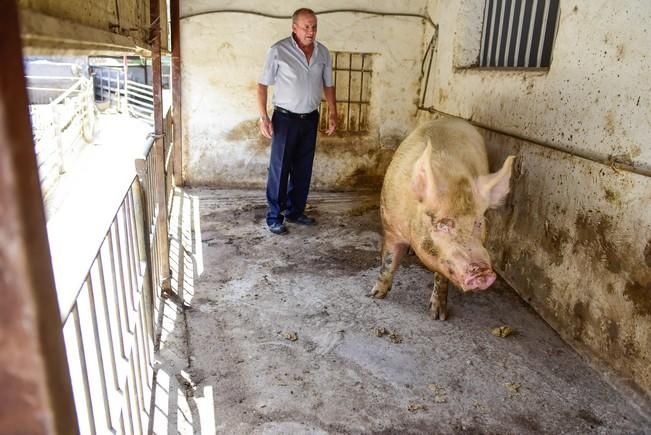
column 352, row 76
column 518, row 33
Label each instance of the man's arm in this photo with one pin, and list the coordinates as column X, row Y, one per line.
column 330, row 97
column 265, row 123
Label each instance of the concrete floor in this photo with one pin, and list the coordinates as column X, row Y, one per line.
column 275, row 334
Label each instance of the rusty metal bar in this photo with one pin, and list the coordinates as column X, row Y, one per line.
column 159, row 181
column 175, row 29
column 350, row 79
column 361, row 95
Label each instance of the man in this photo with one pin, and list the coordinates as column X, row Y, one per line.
column 300, row 69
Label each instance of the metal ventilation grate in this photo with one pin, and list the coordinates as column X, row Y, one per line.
column 352, row 75
column 518, row 33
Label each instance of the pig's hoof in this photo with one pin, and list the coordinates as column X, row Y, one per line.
column 438, row 312
column 379, row 292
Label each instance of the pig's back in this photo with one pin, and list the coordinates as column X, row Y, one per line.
column 458, row 150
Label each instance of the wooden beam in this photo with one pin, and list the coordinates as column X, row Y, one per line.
column 36, row 391
column 43, row 33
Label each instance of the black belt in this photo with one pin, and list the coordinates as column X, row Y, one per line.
column 295, row 115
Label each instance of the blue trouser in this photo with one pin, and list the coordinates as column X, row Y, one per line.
column 290, row 166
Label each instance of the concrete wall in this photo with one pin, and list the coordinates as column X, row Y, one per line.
column 223, row 54
column 575, row 236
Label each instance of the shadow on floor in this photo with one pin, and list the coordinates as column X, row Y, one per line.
column 276, row 334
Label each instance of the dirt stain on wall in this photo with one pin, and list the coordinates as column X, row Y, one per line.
column 593, row 233
column 248, row 133
column 640, row 295
column 553, row 242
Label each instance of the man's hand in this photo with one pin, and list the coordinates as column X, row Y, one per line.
column 332, row 123
column 265, row 127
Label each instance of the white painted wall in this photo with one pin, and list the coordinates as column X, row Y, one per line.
column 574, row 238
column 222, row 56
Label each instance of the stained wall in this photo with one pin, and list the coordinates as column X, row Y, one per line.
column 222, row 57
column 574, row 238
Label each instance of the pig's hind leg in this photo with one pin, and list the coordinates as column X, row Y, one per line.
column 438, row 303
column 392, row 253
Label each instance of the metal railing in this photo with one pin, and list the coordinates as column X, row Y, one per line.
column 61, row 128
column 110, row 356
column 108, row 325
column 126, row 96
column 140, row 100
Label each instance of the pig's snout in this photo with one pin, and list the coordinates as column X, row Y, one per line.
column 479, row 276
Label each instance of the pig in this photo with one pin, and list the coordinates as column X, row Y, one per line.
column 435, row 193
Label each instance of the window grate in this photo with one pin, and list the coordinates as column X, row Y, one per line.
column 352, row 76
column 518, row 33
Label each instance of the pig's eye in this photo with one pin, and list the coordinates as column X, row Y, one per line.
column 444, row 225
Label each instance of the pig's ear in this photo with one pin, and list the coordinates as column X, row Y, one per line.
column 422, row 180
column 494, row 187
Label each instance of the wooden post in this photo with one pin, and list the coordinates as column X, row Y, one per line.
column 158, row 143
column 36, row 395
column 176, row 93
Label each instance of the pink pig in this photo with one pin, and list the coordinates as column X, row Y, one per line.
column 435, row 193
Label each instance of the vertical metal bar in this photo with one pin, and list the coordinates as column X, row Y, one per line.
column 136, row 399
column 129, row 408
column 543, row 29
column 361, row 95
column 335, row 68
column 519, row 36
column 84, row 369
column 122, row 273
column 527, row 55
column 499, row 32
column 121, row 326
column 145, row 247
column 489, row 55
column 98, row 349
column 509, row 32
column 109, row 329
column 132, row 231
column 130, row 259
column 138, row 362
column 547, row 43
column 484, row 41
column 146, row 338
column 175, row 30
column 350, row 79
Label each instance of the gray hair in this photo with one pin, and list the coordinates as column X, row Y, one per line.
column 302, row 11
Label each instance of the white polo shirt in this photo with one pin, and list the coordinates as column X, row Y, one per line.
column 297, row 85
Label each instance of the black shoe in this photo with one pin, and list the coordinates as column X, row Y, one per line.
column 302, row 220
column 277, row 228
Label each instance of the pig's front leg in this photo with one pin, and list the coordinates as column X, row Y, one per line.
column 438, row 303
column 392, row 253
